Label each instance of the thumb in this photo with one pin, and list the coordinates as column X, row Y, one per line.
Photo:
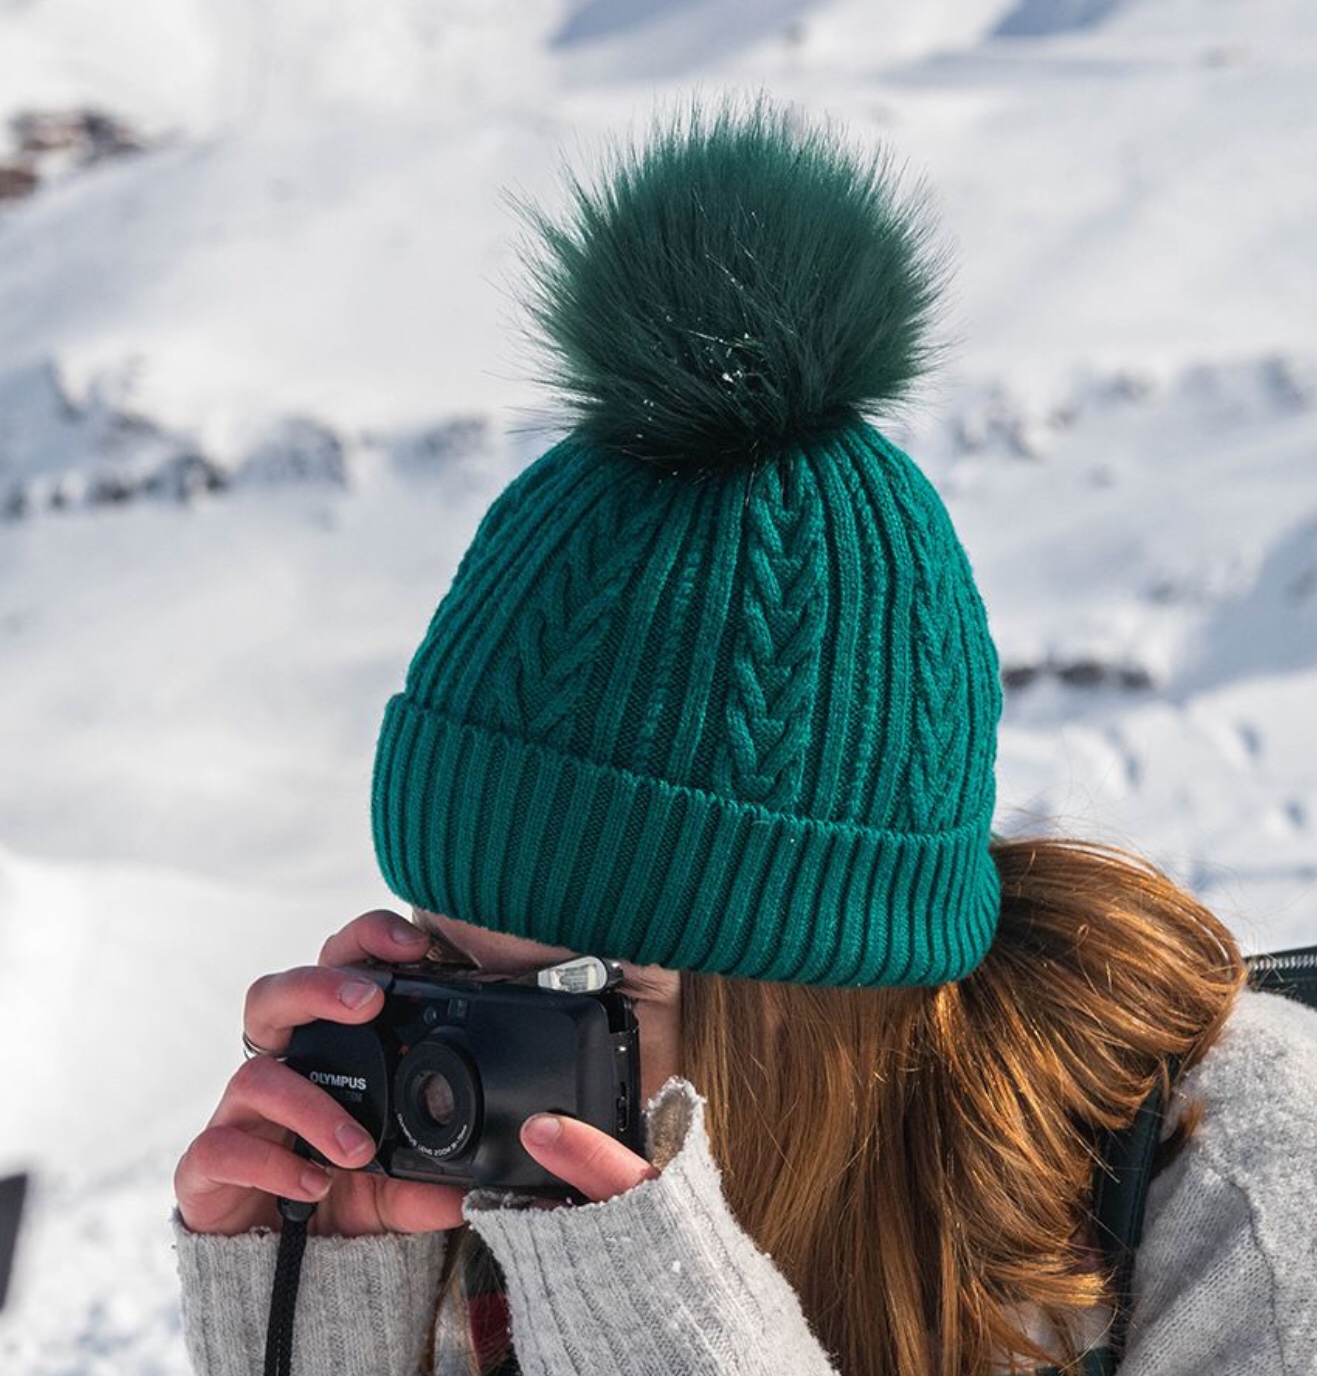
column 584, row 1157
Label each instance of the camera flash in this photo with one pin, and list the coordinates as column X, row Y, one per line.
column 584, row 975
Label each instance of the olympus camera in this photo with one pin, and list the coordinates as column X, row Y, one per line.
column 455, row 1062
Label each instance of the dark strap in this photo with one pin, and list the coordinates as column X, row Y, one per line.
column 287, row 1276
column 1120, row 1200
column 1120, row 1188
column 12, row 1191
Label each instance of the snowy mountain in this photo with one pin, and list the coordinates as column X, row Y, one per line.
column 261, row 370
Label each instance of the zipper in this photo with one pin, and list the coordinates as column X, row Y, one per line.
column 1285, row 960
column 1291, row 973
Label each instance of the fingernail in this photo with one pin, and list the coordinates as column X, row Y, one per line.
column 543, row 1129
column 353, row 1139
column 315, row 1182
column 405, row 934
column 356, row 992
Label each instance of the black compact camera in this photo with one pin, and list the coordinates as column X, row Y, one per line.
column 447, row 1073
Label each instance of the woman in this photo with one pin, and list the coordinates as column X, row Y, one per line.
column 713, row 694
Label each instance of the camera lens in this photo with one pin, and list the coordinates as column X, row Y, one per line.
column 437, row 1099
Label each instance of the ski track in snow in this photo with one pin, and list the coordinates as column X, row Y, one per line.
column 258, row 381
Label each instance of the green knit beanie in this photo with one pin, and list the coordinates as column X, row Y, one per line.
column 713, row 687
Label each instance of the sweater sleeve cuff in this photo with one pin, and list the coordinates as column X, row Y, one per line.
column 661, row 1278
column 364, row 1305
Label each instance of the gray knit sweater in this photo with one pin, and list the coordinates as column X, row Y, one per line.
column 662, row 1281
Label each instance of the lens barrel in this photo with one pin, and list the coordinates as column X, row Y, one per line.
column 437, row 1099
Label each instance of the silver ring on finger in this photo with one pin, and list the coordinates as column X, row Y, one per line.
column 250, row 1049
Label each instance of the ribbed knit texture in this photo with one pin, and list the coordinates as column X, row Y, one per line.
column 661, row 1280
column 744, row 723
column 365, row 1305
column 641, row 1264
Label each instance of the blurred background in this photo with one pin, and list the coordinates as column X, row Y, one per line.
column 261, row 370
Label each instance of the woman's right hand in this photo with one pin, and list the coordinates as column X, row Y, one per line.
column 227, row 1180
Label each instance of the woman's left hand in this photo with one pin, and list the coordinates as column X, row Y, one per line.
column 589, row 1160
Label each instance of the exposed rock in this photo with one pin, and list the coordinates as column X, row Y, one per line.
column 70, row 446
column 995, row 420
column 1292, row 382
column 1017, row 676
column 999, row 421
column 188, row 475
column 441, row 444
column 51, row 143
column 181, row 478
column 111, row 489
column 1124, row 385
column 87, row 133
column 18, row 178
column 298, row 450
column 1082, row 672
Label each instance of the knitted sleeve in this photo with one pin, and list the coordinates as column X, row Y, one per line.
column 365, row 1306
column 660, row 1279
column 1226, row 1277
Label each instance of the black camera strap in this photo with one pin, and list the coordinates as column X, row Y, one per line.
column 12, row 1191
column 1124, row 1175
column 287, row 1276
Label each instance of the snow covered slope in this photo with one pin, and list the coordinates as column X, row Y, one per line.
column 258, row 380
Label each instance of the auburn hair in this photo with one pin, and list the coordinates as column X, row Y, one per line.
column 919, row 1162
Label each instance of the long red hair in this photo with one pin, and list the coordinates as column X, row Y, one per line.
column 918, row 1162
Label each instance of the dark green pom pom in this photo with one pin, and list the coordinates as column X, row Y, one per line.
column 742, row 284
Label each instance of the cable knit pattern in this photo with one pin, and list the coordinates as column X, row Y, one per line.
column 775, row 665
column 933, row 787
column 559, row 635
column 745, row 724
column 665, row 679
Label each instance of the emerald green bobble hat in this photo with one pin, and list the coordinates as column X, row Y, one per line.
column 713, row 687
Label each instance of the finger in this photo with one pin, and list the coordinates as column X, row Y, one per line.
column 278, row 1003
column 264, row 1091
column 381, row 934
column 408, row 1206
column 584, row 1157
column 223, row 1164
